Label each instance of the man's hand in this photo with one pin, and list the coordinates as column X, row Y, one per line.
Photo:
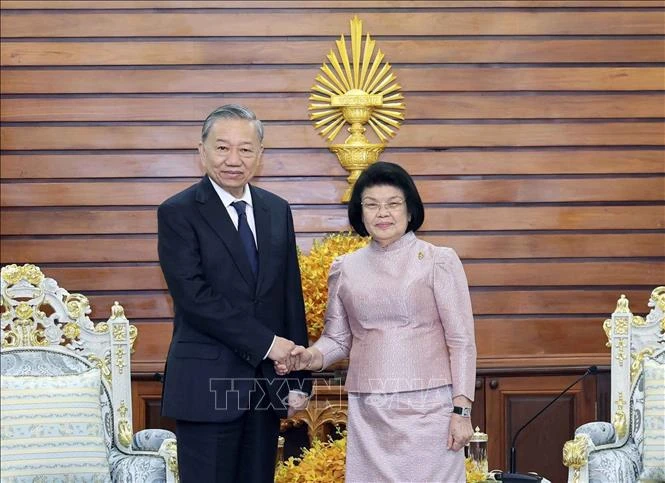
column 281, row 351
column 301, row 358
column 297, row 402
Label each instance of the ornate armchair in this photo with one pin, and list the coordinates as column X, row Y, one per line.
column 66, row 390
column 631, row 447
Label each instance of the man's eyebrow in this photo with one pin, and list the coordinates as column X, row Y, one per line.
column 222, row 140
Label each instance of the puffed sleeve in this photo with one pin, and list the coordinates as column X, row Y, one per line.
column 335, row 341
column 451, row 292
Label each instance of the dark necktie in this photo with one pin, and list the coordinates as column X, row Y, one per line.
column 246, row 235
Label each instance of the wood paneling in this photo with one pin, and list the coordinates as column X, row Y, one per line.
column 535, row 132
column 149, row 277
column 158, row 304
column 481, row 218
column 118, row 248
column 330, row 191
column 291, row 162
column 289, row 107
column 323, row 4
column 306, row 51
column 307, row 23
column 430, row 135
column 435, row 77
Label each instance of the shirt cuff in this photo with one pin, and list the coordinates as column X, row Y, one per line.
column 274, row 338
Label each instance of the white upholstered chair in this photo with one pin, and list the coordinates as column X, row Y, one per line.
column 66, row 390
column 632, row 447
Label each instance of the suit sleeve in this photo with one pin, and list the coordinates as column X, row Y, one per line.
column 208, row 310
column 296, row 327
column 453, row 301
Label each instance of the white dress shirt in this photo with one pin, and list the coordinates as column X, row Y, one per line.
column 228, row 199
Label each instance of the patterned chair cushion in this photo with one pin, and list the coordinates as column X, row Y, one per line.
column 52, row 429
column 653, row 456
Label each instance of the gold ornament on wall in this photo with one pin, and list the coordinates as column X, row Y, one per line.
column 356, row 91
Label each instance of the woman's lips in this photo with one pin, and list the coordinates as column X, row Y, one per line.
column 383, row 226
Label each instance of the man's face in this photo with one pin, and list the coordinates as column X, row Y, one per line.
column 231, row 154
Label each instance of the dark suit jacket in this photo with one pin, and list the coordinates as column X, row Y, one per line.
column 225, row 320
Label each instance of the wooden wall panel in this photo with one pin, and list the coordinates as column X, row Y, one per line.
column 280, row 107
column 535, row 132
column 299, row 78
column 289, row 23
column 525, row 246
column 301, row 162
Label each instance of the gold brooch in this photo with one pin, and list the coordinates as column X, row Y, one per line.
column 421, row 255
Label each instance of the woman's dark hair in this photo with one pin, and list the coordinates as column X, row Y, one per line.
column 386, row 174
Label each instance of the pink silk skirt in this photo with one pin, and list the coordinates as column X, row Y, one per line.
column 402, row 437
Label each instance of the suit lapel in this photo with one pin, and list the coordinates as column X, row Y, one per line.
column 213, row 211
column 263, row 232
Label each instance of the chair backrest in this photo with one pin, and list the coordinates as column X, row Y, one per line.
column 632, row 338
column 45, row 329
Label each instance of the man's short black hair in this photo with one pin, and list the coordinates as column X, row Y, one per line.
column 386, row 174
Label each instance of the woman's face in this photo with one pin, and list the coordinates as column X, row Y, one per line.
column 385, row 214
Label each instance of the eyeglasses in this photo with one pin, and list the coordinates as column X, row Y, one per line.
column 375, row 206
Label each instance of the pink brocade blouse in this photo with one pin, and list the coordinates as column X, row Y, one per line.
column 402, row 315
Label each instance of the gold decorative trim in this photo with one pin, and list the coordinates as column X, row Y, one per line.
column 102, row 328
column 103, row 365
column 622, row 305
column 621, row 326
column 120, row 359
column 171, row 449
column 117, row 311
column 26, row 333
column 607, row 327
column 133, row 334
column 119, row 332
column 124, row 428
column 71, row 331
column 619, row 420
column 575, row 455
column 77, row 305
column 621, row 352
column 636, row 363
column 316, row 419
column 658, row 297
column 12, row 274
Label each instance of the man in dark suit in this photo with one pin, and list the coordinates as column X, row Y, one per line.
column 228, row 253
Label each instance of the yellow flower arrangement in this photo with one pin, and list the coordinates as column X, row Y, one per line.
column 323, row 462
column 473, row 473
column 314, row 270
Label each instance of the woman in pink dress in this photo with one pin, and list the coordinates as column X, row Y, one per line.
column 400, row 310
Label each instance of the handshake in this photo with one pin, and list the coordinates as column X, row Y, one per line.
column 289, row 357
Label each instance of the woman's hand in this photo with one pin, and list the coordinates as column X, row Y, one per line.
column 300, row 358
column 460, row 432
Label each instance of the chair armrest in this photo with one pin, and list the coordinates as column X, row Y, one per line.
column 150, row 439
column 599, row 432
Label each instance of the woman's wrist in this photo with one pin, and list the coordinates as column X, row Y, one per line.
column 316, row 361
